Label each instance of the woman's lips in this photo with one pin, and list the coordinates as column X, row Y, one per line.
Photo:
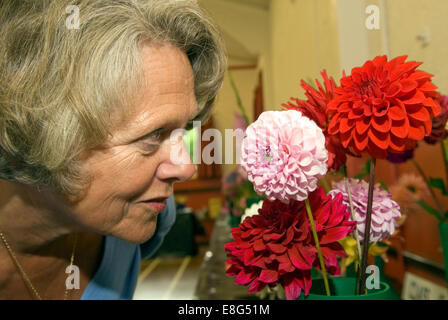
column 157, row 206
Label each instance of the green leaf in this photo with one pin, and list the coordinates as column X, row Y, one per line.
column 367, row 167
column 429, row 209
column 438, row 184
column 360, row 175
column 383, row 184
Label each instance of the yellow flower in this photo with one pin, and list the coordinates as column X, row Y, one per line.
column 350, row 247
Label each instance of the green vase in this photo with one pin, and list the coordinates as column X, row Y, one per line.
column 344, row 289
column 443, row 228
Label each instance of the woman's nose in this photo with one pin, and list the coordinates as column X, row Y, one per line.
column 177, row 165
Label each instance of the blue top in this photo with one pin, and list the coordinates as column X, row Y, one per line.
column 116, row 277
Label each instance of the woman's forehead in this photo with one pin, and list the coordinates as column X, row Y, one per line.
column 167, row 92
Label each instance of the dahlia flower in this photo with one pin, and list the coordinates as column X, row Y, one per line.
column 438, row 132
column 384, row 209
column 276, row 246
column 409, row 189
column 383, row 106
column 315, row 108
column 284, row 155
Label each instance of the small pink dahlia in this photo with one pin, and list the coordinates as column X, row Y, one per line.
column 284, row 155
column 385, row 211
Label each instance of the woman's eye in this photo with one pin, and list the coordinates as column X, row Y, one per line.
column 152, row 141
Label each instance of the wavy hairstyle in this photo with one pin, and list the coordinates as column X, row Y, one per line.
column 58, row 86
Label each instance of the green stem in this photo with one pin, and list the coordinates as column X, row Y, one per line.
column 238, row 98
column 319, row 252
column 356, row 234
column 431, row 191
column 445, row 158
column 325, row 185
column 365, row 249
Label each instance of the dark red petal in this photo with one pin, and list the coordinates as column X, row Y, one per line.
column 276, row 248
column 335, row 234
column 259, row 245
column 248, row 256
column 256, row 286
column 297, row 260
column 244, row 277
column 292, row 289
column 268, row 276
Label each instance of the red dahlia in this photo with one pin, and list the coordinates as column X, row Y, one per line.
column 315, row 108
column 383, row 106
column 438, row 132
column 277, row 246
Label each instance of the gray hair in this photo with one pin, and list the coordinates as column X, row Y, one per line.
column 58, row 86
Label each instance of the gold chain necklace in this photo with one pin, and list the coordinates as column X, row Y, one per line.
column 22, row 271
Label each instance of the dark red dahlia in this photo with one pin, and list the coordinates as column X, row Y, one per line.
column 315, row 109
column 438, row 132
column 277, row 247
column 383, row 107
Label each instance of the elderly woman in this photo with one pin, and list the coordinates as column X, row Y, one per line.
column 86, row 116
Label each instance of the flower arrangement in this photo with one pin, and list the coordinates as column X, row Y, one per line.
column 382, row 109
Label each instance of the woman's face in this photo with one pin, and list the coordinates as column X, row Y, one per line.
column 133, row 173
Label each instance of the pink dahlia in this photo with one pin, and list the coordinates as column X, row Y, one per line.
column 284, row 155
column 385, row 211
column 315, row 108
column 276, row 246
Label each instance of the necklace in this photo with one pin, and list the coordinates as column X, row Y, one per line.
column 22, row 271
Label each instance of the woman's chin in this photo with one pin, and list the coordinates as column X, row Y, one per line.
column 139, row 234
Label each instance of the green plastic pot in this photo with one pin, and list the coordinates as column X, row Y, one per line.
column 344, row 289
column 443, row 228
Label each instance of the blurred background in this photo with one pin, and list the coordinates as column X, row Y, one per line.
column 271, row 46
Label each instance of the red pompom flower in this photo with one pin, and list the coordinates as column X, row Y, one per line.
column 277, row 246
column 315, row 108
column 383, row 107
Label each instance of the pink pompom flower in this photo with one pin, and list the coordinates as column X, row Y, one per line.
column 385, row 211
column 284, row 155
